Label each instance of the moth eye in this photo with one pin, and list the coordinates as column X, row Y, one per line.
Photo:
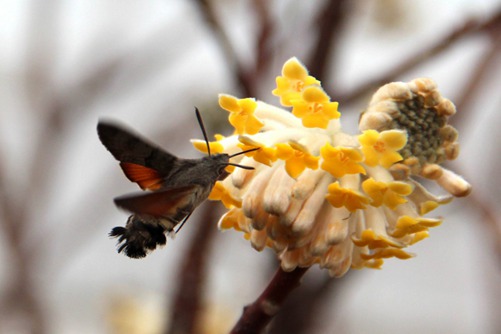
column 222, row 173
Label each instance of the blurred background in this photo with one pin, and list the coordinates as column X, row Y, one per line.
column 65, row 64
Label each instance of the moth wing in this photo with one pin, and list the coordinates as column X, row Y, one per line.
column 128, row 147
column 164, row 203
column 146, row 178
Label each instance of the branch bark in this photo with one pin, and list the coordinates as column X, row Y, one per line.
column 242, row 77
column 330, row 23
column 257, row 315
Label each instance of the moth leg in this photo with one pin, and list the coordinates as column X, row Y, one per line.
column 184, row 221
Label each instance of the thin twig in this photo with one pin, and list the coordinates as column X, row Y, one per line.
column 264, row 51
column 468, row 28
column 22, row 300
column 242, row 77
column 330, row 23
column 484, row 67
column 257, row 315
column 491, row 222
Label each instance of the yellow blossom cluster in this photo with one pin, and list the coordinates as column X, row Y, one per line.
column 320, row 196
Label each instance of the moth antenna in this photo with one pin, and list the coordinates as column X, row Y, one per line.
column 243, row 152
column 239, row 153
column 201, row 123
column 241, row 166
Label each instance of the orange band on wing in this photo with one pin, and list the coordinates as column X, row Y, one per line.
column 146, row 178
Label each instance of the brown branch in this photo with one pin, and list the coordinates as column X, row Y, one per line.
column 330, row 23
column 301, row 312
column 465, row 98
column 21, row 300
column 474, row 84
column 308, row 309
column 264, row 51
column 190, row 284
column 257, row 315
column 468, row 28
column 490, row 221
column 242, row 77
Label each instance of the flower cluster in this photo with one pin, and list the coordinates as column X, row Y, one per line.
column 321, row 196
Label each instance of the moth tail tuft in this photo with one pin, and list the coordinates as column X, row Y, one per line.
column 137, row 238
column 118, row 232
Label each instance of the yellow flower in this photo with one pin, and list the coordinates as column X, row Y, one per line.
column 387, row 253
column 315, row 108
column 409, row 225
column 340, row 161
column 381, row 148
column 234, row 219
column 265, row 155
column 372, row 240
column 292, row 82
column 297, row 158
column 418, row 236
column 241, row 114
column 220, row 193
column 344, row 197
column 390, row 194
column 215, row 146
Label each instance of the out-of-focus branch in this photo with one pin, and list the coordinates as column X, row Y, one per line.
column 242, row 77
column 257, row 315
column 330, row 22
column 470, row 27
column 22, row 301
column 264, row 51
column 484, row 66
column 465, row 99
column 490, row 220
column 187, row 306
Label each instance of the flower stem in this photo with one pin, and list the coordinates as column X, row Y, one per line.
column 257, row 315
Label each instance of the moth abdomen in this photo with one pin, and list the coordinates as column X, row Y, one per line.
column 137, row 238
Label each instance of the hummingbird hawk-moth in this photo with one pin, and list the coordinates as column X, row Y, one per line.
column 176, row 186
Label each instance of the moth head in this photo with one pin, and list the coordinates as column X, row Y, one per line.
column 223, row 159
